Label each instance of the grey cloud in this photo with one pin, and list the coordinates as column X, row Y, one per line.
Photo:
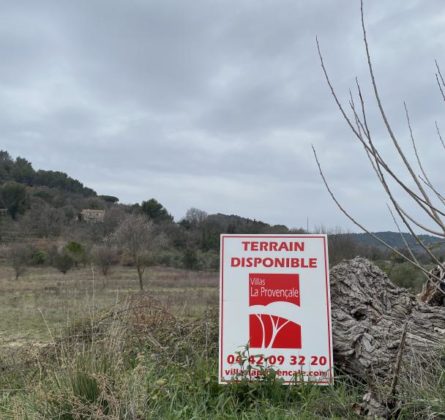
column 215, row 104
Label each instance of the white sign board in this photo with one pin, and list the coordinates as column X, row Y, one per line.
column 275, row 308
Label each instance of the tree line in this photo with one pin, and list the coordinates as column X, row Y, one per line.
column 43, row 227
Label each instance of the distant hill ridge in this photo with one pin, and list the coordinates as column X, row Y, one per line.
column 395, row 240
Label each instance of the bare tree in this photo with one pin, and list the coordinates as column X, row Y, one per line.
column 105, row 256
column 195, row 216
column 19, row 256
column 140, row 239
column 418, row 188
column 42, row 220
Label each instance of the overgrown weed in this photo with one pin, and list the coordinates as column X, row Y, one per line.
column 138, row 361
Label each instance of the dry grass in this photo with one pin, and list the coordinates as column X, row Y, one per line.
column 44, row 301
column 78, row 347
column 139, row 361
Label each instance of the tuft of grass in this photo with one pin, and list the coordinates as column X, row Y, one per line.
column 140, row 361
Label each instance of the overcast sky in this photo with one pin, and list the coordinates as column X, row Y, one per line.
column 215, row 104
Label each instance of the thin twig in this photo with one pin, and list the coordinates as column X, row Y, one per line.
column 439, row 134
column 419, row 200
column 395, row 378
column 353, row 220
column 419, row 162
column 386, row 122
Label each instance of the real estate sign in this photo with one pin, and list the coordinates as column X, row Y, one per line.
column 275, row 308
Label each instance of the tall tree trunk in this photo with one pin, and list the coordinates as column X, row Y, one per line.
column 140, row 275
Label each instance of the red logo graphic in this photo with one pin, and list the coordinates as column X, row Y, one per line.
column 268, row 330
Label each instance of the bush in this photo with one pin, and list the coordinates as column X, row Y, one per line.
column 77, row 252
column 190, row 259
column 105, row 257
column 63, row 262
column 170, row 258
column 39, row 257
column 407, row 276
column 209, row 260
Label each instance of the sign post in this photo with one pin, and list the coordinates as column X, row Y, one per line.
column 275, row 308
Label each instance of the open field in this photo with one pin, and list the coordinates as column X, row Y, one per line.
column 77, row 347
column 43, row 302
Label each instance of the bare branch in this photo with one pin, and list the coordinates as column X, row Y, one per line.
column 375, row 161
column 421, row 202
column 439, row 134
column 429, row 185
column 401, row 213
column 440, row 80
column 385, row 119
column 420, row 225
column 353, row 220
column 404, row 239
column 428, row 182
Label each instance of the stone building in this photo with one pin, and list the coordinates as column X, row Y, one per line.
column 92, row 216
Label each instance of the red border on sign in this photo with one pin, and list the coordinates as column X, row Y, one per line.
column 328, row 314
column 221, row 305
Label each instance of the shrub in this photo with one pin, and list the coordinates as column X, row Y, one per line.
column 77, row 252
column 209, row 260
column 39, row 257
column 190, row 259
column 407, row 276
column 105, row 257
column 63, row 262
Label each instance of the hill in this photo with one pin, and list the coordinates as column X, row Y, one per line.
column 49, row 201
column 21, row 171
column 396, row 241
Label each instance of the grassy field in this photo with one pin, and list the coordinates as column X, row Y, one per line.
column 79, row 346
column 43, row 302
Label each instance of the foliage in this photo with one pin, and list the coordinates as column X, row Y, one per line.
column 77, row 252
column 170, row 258
column 94, row 203
column 109, row 199
column 60, row 180
column 39, row 257
column 155, row 211
column 63, row 262
column 14, row 198
column 404, row 274
column 21, row 171
column 204, row 230
column 6, row 165
column 190, row 259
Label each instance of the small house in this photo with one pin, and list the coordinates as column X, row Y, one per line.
column 92, row 216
